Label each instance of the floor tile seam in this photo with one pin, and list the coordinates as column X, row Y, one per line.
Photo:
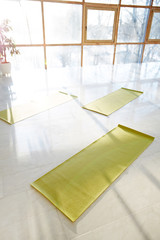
column 117, row 220
column 19, row 221
column 28, row 216
column 62, row 225
column 23, row 171
column 140, row 160
column 16, row 193
column 154, row 104
column 148, row 154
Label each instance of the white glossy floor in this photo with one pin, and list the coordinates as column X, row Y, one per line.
column 130, row 208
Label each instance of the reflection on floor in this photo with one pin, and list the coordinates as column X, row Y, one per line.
column 130, row 208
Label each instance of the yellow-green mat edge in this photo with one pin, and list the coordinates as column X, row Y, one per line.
column 1, row 118
column 115, row 110
column 119, row 125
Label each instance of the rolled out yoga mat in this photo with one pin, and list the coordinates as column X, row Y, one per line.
column 75, row 184
column 20, row 112
column 113, row 101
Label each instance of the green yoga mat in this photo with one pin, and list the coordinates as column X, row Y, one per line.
column 113, row 101
column 75, row 184
column 17, row 113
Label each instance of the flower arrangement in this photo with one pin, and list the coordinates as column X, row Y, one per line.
column 6, row 43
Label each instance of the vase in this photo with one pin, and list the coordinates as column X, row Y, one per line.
column 5, row 68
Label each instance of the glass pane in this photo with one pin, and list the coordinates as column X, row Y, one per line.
column 29, row 58
column 63, row 56
column 156, row 3
column 128, row 53
column 63, row 22
column 72, row 0
column 136, row 2
column 155, row 28
column 98, row 55
column 103, row 1
column 132, row 24
column 100, row 24
column 27, row 29
column 152, row 53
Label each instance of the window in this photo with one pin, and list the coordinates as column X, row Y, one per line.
column 152, row 53
column 30, row 58
column 103, row 1
column 27, row 27
column 154, row 26
column 137, row 2
column 156, row 3
column 132, row 24
column 100, row 24
column 63, row 56
column 63, row 23
column 62, row 33
column 128, row 53
column 98, row 55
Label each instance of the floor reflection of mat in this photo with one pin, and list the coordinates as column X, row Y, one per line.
column 75, row 184
column 113, row 101
column 17, row 113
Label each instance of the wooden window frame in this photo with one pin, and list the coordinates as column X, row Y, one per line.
column 104, row 8
column 114, row 42
column 150, row 20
